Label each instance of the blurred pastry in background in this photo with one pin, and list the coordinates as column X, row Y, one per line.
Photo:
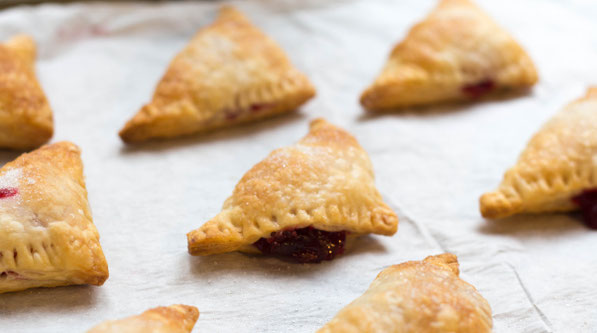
column 25, row 114
column 557, row 171
column 164, row 319
column 458, row 53
column 229, row 73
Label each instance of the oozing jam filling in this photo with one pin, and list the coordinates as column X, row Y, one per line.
column 256, row 108
column 232, row 114
column 479, row 89
column 305, row 245
column 587, row 201
column 12, row 275
column 8, row 192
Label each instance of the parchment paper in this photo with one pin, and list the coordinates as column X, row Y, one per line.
column 98, row 63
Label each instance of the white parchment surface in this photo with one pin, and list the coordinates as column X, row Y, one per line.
column 98, row 63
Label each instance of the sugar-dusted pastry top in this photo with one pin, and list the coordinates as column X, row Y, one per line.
column 25, row 115
column 229, row 73
column 47, row 236
column 416, row 297
column 324, row 181
column 557, row 164
column 456, row 53
column 164, row 319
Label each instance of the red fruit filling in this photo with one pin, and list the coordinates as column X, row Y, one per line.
column 255, row 108
column 479, row 89
column 8, row 192
column 305, row 245
column 232, row 114
column 587, row 201
column 13, row 275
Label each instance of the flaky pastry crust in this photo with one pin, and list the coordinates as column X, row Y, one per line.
column 25, row 114
column 457, row 53
column 325, row 181
column 558, row 163
column 419, row 297
column 229, row 73
column 47, row 236
column 164, row 319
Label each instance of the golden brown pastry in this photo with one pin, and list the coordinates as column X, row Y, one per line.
column 47, row 236
column 164, row 319
column 25, row 115
column 229, row 73
column 457, row 53
column 416, row 297
column 556, row 171
column 303, row 202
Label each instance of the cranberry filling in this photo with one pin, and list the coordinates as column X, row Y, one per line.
column 11, row 274
column 479, row 89
column 232, row 114
column 255, row 108
column 587, row 201
column 305, row 245
column 8, row 192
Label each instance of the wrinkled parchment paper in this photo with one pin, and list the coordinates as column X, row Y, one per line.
column 98, row 63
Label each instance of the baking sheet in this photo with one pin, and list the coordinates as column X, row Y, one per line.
column 99, row 62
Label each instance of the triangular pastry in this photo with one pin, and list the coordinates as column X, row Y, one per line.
column 416, row 297
column 25, row 115
column 303, row 202
column 229, row 73
column 164, row 319
column 557, row 171
column 47, row 236
column 457, row 53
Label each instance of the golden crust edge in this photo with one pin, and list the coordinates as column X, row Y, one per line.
column 495, row 205
column 199, row 243
column 177, row 314
column 136, row 129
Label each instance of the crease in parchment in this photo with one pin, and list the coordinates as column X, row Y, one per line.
column 422, row 229
column 434, row 241
column 530, row 298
